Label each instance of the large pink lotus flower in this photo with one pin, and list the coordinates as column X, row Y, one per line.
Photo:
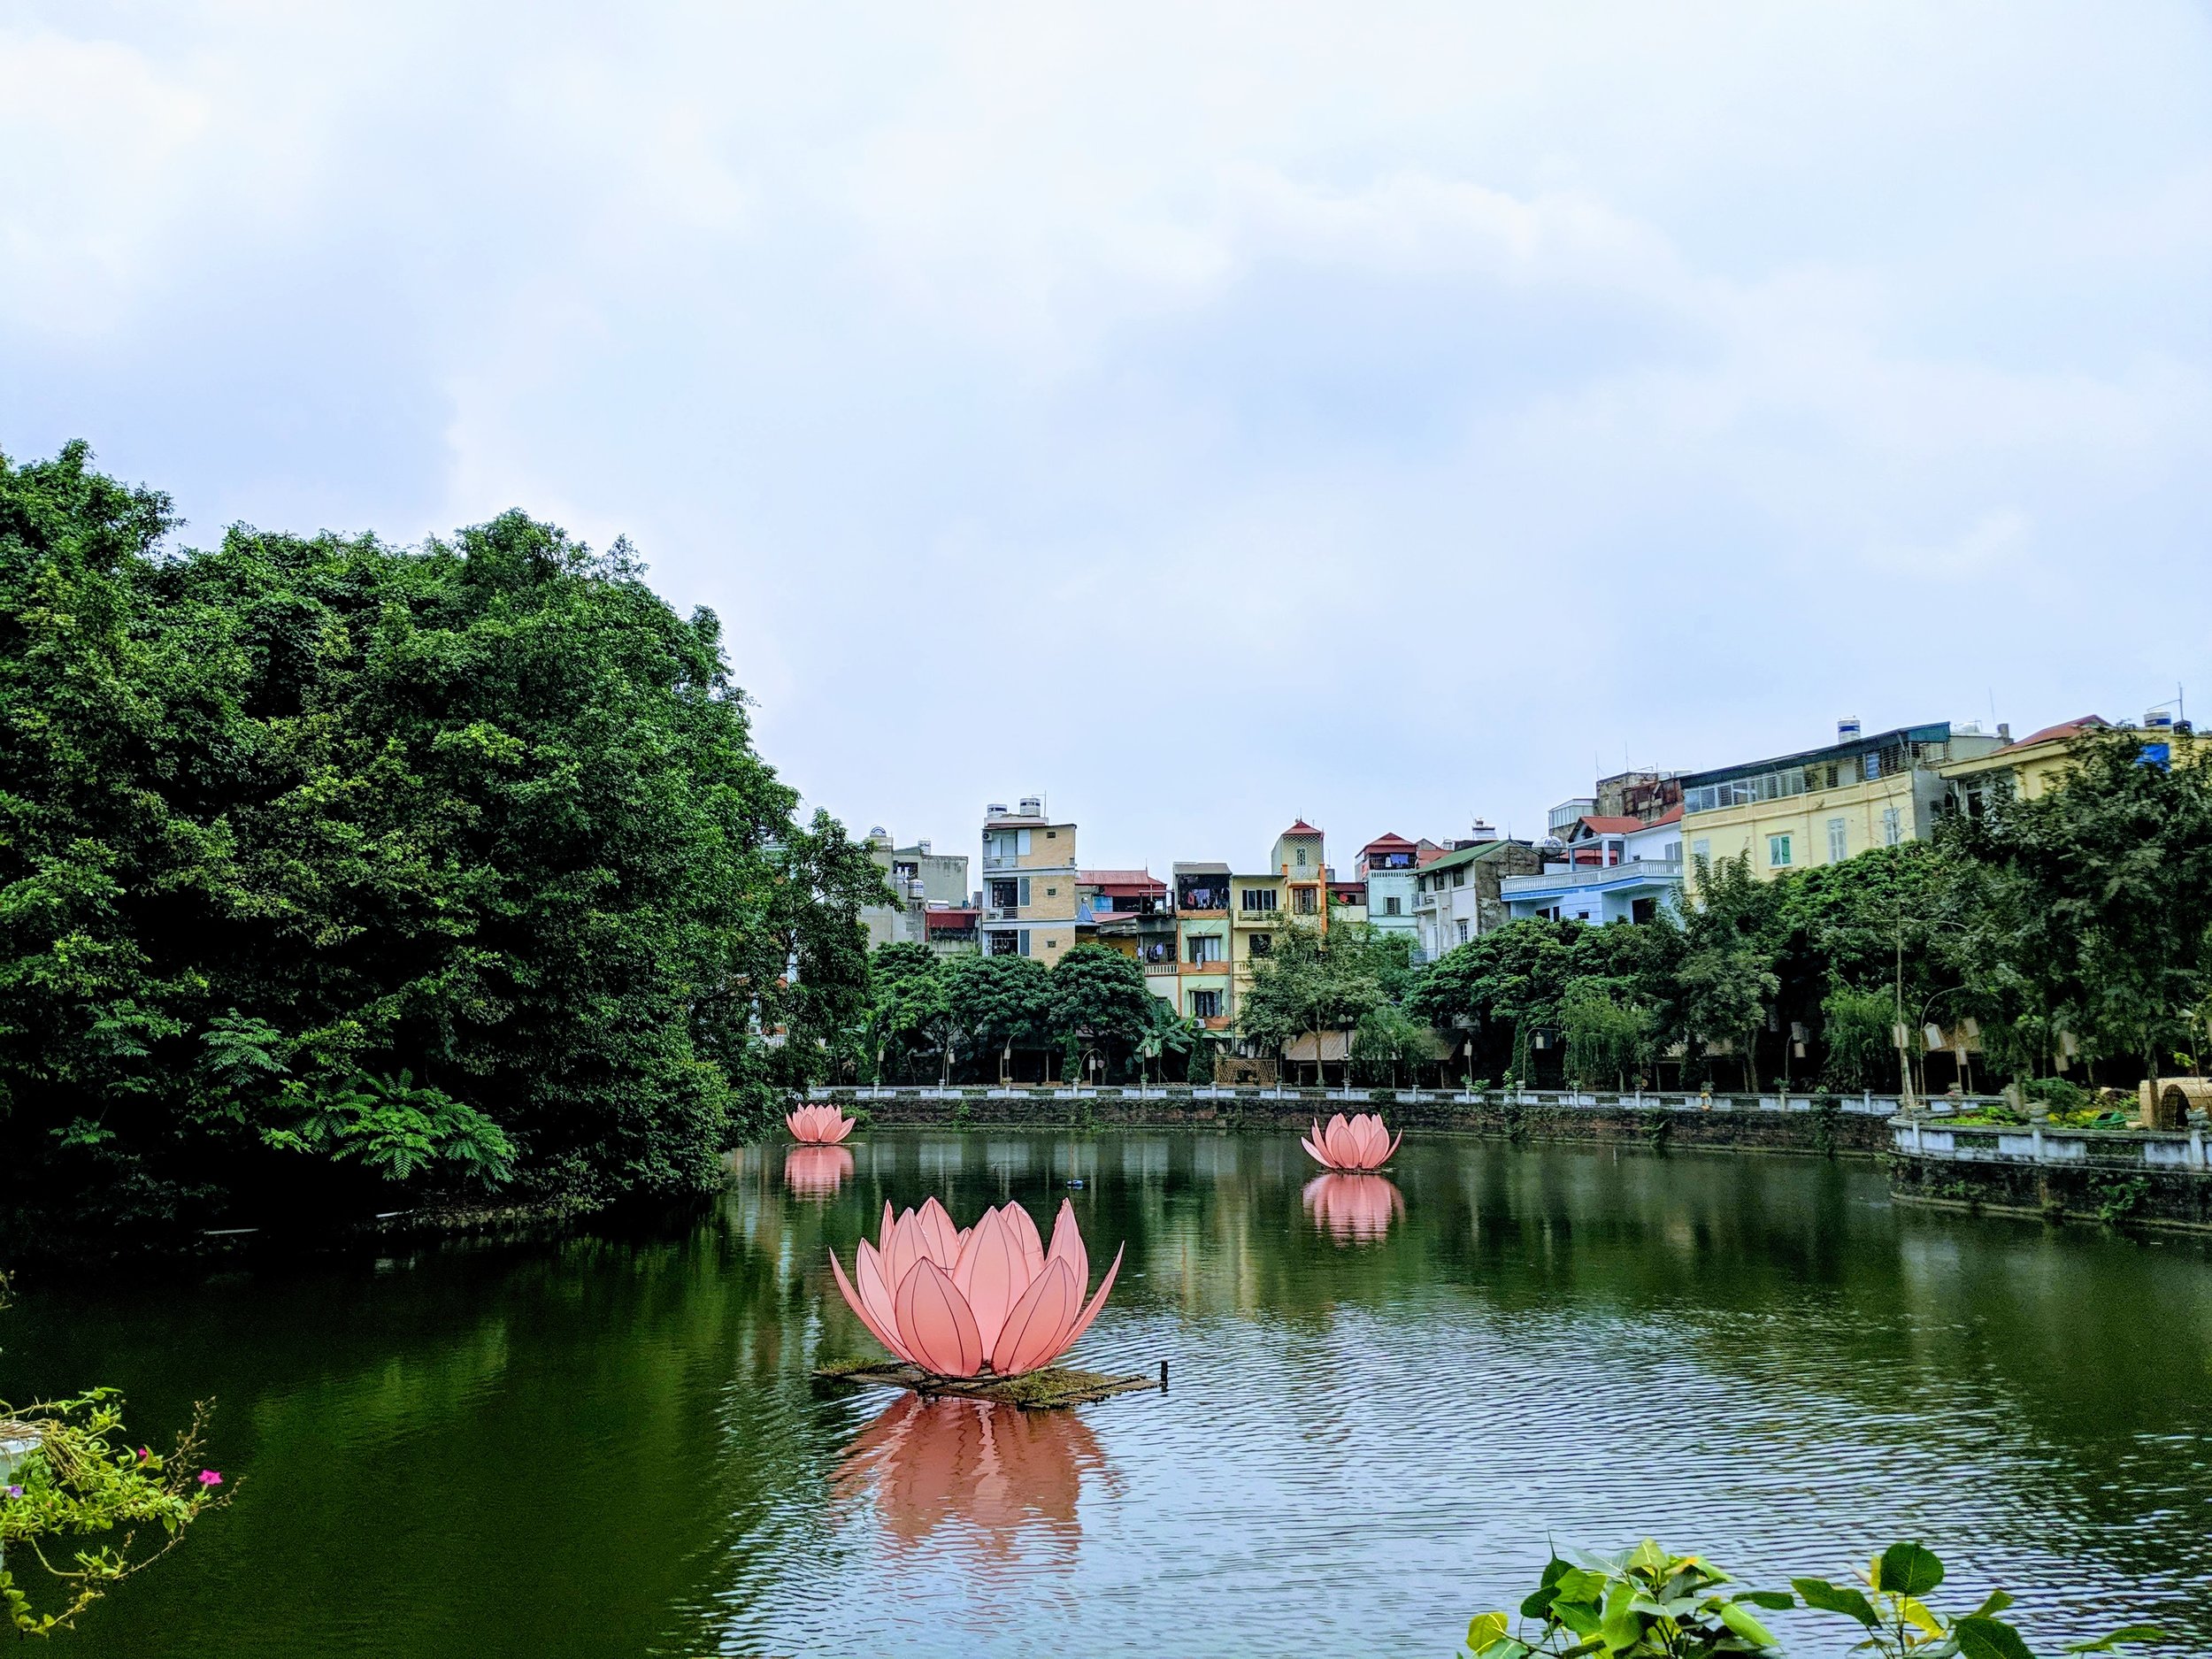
column 814, row 1172
column 819, row 1125
column 1355, row 1209
column 1361, row 1144
column 957, row 1303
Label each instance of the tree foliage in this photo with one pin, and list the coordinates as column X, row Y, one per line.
column 323, row 861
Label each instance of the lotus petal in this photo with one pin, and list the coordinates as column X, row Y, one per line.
column 1067, row 1246
column 883, row 1333
column 1025, row 1231
column 1090, row 1313
column 990, row 1276
column 935, row 1324
column 1036, row 1323
column 940, row 1240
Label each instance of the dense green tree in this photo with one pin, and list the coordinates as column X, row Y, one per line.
column 321, row 857
column 1100, row 1002
column 914, row 1019
column 1000, row 1005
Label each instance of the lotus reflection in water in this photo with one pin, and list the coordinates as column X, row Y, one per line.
column 996, row 1469
column 817, row 1171
column 962, row 1301
column 1362, row 1143
column 1355, row 1209
column 819, row 1125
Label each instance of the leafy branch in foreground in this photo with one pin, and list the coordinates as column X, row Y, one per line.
column 66, row 1485
column 1649, row 1604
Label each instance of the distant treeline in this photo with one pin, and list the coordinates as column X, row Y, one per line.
column 325, row 864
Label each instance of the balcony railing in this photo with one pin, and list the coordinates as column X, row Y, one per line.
column 1656, row 872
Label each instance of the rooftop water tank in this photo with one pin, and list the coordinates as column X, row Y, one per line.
column 1033, row 806
column 1848, row 729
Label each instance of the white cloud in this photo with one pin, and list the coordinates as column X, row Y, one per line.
column 1204, row 412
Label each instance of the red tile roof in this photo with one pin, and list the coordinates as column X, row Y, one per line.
column 2064, row 728
column 1390, row 842
column 1121, row 880
column 1301, row 828
column 1672, row 815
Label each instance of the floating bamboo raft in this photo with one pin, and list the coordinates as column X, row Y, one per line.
column 1035, row 1391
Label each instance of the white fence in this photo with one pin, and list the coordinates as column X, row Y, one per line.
column 1646, row 1100
column 2037, row 1143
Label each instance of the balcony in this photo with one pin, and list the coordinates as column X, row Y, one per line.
column 1593, row 878
column 1001, row 861
column 1008, row 913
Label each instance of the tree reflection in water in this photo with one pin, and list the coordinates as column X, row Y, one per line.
column 817, row 1171
column 1355, row 1209
column 1003, row 1477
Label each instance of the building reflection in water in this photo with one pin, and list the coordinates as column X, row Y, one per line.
column 1355, row 1209
column 817, row 1171
column 998, row 1478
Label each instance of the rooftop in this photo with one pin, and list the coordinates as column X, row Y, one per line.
column 2063, row 730
column 1938, row 732
column 1300, row 827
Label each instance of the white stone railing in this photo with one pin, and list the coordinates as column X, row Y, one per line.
column 1923, row 1136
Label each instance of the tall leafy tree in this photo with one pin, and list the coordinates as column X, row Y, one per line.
column 323, row 861
column 1100, row 1002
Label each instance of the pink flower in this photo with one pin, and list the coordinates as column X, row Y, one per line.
column 1361, row 1144
column 209, row 1478
column 819, row 1125
column 15, row 1492
column 989, row 1298
column 144, row 1451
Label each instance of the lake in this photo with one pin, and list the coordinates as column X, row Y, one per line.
column 1382, row 1399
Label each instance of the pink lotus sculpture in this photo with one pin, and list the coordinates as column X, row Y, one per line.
column 965, row 1301
column 1355, row 1209
column 816, row 1172
column 819, row 1125
column 1361, row 1144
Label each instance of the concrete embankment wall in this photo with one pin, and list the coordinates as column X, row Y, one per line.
column 1818, row 1124
column 2128, row 1193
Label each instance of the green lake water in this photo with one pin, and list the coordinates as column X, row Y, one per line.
column 1381, row 1402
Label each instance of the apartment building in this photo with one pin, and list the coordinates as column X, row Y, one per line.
column 1458, row 895
column 1825, row 805
column 1029, row 880
column 1202, row 986
column 1387, row 866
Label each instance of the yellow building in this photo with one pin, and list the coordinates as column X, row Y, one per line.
column 1825, row 805
column 2039, row 763
column 1029, row 882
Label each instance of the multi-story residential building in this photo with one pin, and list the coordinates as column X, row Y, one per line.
column 1348, row 901
column 1299, row 862
column 920, row 881
column 2039, row 763
column 940, row 877
column 1128, row 911
column 1386, row 864
column 1644, row 795
column 1457, row 895
column 1256, row 912
column 1029, row 873
column 1823, row 805
column 1202, row 987
column 1618, row 869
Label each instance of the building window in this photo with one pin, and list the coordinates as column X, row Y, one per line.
column 1778, row 852
column 1052, row 893
column 1839, row 841
column 1459, row 877
column 1390, row 905
column 1262, row 943
column 1052, row 835
column 1301, row 858
column 1205, row 1005
column 1305, row 905
column 1025, row 890
column 1006, row 945
column 1005, row 894
column 1461, row 925
column 1893, row 827
column 1258, row 898
column 1052, row 944
column 1205, row 948
column 1702, row 851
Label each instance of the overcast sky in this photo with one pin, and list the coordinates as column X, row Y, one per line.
column 1204, row 414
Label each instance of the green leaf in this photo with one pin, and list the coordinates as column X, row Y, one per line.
column 1487, row 1631
column 1982, row 1638
column 1908, row 1569
column 1837, row 1598
column 1997, row 1602
column 1778, row 1600
column 1538, row 1604
column 2132, row 1633
column 1738, row 1618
